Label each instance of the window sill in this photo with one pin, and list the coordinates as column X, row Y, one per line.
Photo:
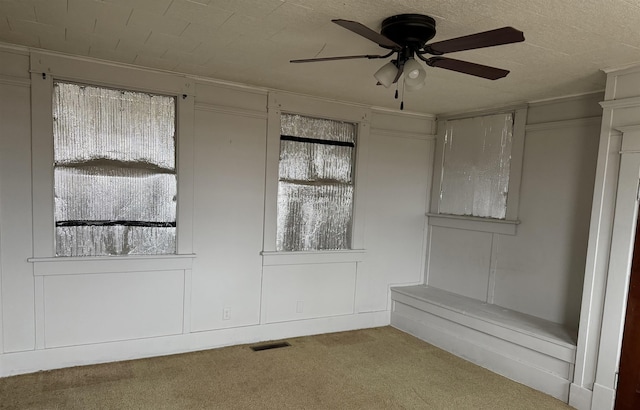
column 472, row 223
column 271, row 258
column 108, row 264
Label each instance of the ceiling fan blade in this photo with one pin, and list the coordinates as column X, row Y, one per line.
column 313, row 60
column 499, row 36
column 367, row 33
column 465, row 67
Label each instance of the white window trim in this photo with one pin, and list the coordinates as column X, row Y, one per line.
column 506, row 226
column 45, row 68
column 296, row 104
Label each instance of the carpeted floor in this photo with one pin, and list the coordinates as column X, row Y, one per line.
column 379, row 368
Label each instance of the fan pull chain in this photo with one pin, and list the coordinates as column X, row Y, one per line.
column 402, row 100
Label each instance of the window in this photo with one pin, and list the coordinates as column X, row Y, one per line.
column 476, row 166
column 115, row 176
column 315, row 184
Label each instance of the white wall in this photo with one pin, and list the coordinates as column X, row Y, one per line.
column 63, row 315
column 539, row 270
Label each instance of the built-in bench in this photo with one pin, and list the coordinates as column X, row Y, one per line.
column 524, row 348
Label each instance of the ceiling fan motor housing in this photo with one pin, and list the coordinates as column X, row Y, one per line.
column 409, row 30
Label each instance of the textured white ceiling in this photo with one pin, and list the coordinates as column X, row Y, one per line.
column 251, row 41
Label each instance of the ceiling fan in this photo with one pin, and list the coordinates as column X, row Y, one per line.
column 406, row 36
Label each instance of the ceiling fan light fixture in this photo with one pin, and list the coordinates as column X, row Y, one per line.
column 414, row 75
column 386, row 74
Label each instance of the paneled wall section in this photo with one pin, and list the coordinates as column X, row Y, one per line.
column 55, row 315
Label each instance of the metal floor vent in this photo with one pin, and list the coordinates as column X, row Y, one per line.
column 269, row 346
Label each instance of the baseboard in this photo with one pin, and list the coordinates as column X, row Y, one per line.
column 579, row 397
column 604, row 397
column 483, row 355
column 47, row 359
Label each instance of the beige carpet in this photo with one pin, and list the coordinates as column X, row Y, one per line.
column 380, row 368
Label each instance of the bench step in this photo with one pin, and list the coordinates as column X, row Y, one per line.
column 530, row 350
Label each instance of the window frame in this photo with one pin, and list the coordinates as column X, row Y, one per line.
column 505, row 226
column 279, row 103
column 45, row 68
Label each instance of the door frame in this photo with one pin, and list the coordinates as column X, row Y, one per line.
column 619, row 270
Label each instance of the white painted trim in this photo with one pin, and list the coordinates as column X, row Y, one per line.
column 75, row 68
column 112, row 75
column 628, row 130
column 185, row 152
column 517, row 159
column 42, row 165
column 411, row 114
column 308, row 104
column 10, row 80
column 53, row 358
column 493, row 268
column 39, row 312
column 579, row 397
column 552, row 125
column 186, row 313
column 436, row 184
column 597, row 261
column 242, row 112
column 603, row 397
column 312, row 257
column 322, row 108
column 515, row 171
column 566, row 98
column 479, row 113
column 624, row 69
column 229, row 85
column 360, row 183
column 14, row 48
column 621, row 103
column 471, row 223
column 617, row 285
column 108, row 264
column 402, row 134
column 271, row 176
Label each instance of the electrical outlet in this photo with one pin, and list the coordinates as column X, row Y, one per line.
column 299, row 306
column 226, row 313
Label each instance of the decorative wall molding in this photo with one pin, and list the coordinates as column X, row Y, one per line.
column 14, row 48
column 9, row 80
column 107, row 264
column 242, row 112
column 621, row 70
column 389, row 111
column 100, row 72
column 55, row 358
column 579, row 397
column 621, row 103
column 470, row 223
column 402, row 134
column 312, row 257
column 556, row 100
column 478, row 113
column 580, row 122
